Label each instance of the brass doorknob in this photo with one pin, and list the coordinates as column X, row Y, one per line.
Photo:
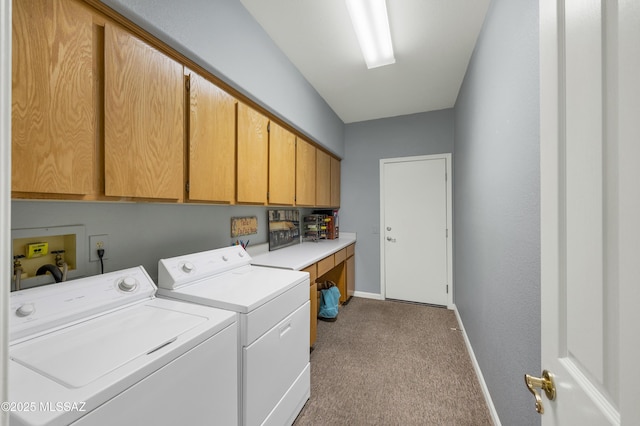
column 545, row 383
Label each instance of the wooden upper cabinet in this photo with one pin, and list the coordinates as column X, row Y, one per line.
column 53, row 108
column 212, row 142
column 323, row 179
column 305, row 173
column 144, row 119
column 335, row 182
column 253, row 156
column 282, row 165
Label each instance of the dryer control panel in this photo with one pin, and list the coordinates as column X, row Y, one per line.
column 181, row 270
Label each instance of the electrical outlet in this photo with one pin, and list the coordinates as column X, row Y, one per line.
column 98, row 242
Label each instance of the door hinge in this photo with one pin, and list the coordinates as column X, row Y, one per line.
column 447, row 288
column 268, row 126
column 446, row 176
column 267, row 195
column 447, row 232
column 186, row 187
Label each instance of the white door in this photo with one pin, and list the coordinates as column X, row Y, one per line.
column 590, row 208
column 414, row 225
column 5, row 197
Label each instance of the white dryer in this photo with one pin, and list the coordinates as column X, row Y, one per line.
column 273, row 307
column 103, row 350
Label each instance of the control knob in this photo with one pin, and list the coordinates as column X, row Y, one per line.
column 127, row 284
column 187, row 267
column 26, row 310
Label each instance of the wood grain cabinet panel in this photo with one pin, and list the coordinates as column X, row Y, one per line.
column 351, row 276
column 335, row 182
column 305, row 173
column 323, row 179
column 313, row 298
column 313, row 272
column 52, row 107
column 282, row 165
column 144, row 119
column 325, row 265
column 212, row 142
column 253, row 156
column 313, row 325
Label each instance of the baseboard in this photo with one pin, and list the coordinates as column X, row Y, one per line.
column 366, row 295
column 476, row 367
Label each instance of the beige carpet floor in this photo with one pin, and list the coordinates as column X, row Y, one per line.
column 392, row 363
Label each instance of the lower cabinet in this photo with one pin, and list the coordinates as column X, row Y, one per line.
column 313, row 298
column 339, row 267
column 350, row 266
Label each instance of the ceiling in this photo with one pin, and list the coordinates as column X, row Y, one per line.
column 432, row 39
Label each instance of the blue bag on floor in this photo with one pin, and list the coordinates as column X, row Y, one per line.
column 329, row 299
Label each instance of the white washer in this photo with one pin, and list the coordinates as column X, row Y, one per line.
column 103, row 350
column 273, row 306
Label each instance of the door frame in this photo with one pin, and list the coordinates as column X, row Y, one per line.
column 449, row 178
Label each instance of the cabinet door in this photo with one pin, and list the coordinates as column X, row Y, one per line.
column 314, row 298
column 335, row 182
column 305, row 173
column 323, row 179
column 282, row 165
column 212, row 142
column 144, row 119
column 52, row 105
column 313, row 317
column 253, row 156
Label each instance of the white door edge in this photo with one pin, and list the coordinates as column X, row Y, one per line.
column 622, row 101
column 447, row 158
column 629, row 153
column 5, row 195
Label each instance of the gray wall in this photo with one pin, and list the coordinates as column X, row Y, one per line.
column 141, row 233
column 365, row 144
column 497, row 206
column 222, row 37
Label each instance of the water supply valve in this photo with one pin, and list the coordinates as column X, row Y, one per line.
column 17, row 270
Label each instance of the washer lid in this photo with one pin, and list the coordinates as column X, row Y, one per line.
column 78, row 355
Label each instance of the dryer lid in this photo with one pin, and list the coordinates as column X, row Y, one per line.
column 80, row 354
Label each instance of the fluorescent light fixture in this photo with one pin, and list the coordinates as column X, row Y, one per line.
column 371, row 23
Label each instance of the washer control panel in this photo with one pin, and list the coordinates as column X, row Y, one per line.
column 40, row 308
column 177, row 271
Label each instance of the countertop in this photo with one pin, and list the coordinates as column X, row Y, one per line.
column 300, row 256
